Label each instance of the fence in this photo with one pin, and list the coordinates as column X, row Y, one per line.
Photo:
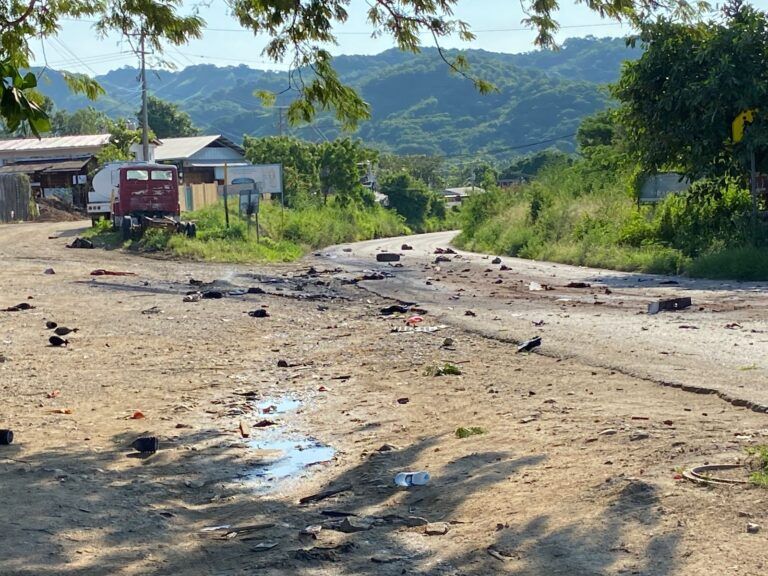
column 196, row 196
column 15, row 196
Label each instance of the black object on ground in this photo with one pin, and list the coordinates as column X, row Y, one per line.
column 394, row 309
column 50, row 325
column 63, row 330
column 258, row 313
column 81, row 243
column 496, row 260
column 6, row 437
column 529, row 345
column 213, row 294
column 56, row 341
column 255, row 290
column 406, row 247
column 441, row 258
column 146, row 444
column 387, row 257
column 18, row 307
column 282, row 364
column 325, row 494
column 578, row 285
column 669, row 305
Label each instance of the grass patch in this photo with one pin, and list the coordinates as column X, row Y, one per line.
column 746, row 263
column 446, row 370
column 467, row 432
column 760, row 476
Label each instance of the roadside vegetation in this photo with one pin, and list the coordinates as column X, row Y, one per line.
column 586, row 211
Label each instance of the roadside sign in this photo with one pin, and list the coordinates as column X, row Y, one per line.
column 268, row 176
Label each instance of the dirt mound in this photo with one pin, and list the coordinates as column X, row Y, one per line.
column 54, row 210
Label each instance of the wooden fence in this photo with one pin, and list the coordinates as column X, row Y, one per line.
column 14, row 197
column 196, row 196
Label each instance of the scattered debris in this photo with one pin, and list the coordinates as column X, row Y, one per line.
column 504, row 267
column 406, row 247
column 81, row 243
column 264, row 423
column 138, row 415
column 53, row 394
column 18, row 307
column 56, row 341
column 372, row 276
column 703, row 474
column 406, row 479
column 529, row 345
column 212, row 295
column 469, row 313
column 6, row 437
column 688, row 327
column 324, row 554
column 146, row 444
column 63, row 330
column 50, row 325
column 496, row 260
column 403, row 400
column 102, row 272
column 753, row 528
column 427, row 329
column 639, row 435
column 471, row 431
column 437, row 528
column 387, row 257
column 387, row 448
column 414, row 320
column 351, row 524
column 669, row 305
column 578, row 285
column 337, row 513
column 394, row 309
column 733, row 326
column 528, row 419
column 448, row 343
column 325, row 494
column 538, row 322
column 282, row 364
column 61, row 411
column 446, row 370
column 193, row 297
column 49, row 271
column 258, row 313
column 535, row 287
column 608, row 432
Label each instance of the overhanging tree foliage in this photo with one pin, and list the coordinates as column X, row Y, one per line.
column 299, row 30
column 680, row 98
column 167, row 120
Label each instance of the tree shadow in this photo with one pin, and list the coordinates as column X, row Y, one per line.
column 87, row 511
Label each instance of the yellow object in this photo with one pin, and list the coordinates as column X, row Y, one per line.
column 738, row 124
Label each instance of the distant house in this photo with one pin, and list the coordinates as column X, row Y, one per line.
column 200, row 159
column 57, row 166
column 455, row 196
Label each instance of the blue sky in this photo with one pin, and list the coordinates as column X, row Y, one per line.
column 496, row 22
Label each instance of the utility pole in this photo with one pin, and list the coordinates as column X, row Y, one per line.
column 144, row 112
column 280, row 124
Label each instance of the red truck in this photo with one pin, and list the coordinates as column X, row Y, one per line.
column 139, row 196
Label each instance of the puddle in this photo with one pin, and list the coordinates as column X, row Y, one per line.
column 292, row 456
column 278, row 405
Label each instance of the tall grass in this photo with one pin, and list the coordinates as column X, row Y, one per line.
column 587, row 216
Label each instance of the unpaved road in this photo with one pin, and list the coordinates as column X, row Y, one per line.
column 577, row 471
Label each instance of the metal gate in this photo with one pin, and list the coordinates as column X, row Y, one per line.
column 14, row 197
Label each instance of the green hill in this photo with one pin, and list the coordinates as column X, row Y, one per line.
column 417, row 105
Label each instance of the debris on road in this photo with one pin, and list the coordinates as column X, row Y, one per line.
column 394, row 309
column 406, row 479
column 445, row 251
column 406, row 247
column 193, row 297
column 152, row 310
column 387, row 257
column 81, row 243
column 578, row 285
column 441, row 258
column 56, row 341
column 258, row 313
column 496, row 260
column 671, row 304
column 325, row 494
column 245, row 429
column 437, row 528
column 447, row 343
column 427, row 329
column 50, row 325
column 18, row 307
column 6, row 437
column 446, row 370
column 639, row 435
column 264, row 423
column 469, row 313
column 213, row 295
column 529, row 345
column 414, row 320
column 753, row 528
column 146, row 444
column 63, row 330
column 138, row 415
column 535, row 287
column 403, row 400
column 49, row 271
column 467, row 432
column 103, row 272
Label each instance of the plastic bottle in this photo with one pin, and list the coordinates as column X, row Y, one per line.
column 406, row 479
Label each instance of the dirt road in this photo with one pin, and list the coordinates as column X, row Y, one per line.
column 577, row 470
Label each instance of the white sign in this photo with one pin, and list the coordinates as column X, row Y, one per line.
column 269, row 177
column 658, row 186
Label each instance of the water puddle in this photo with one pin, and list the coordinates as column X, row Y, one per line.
column 286, row 455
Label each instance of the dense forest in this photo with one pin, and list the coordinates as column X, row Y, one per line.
column 417, row 105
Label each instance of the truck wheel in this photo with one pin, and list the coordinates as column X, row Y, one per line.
column 125, row 228
column 191, row 230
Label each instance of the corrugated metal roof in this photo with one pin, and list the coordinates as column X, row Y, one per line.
column 40, row 144
column 52, row 166
column 183, row 148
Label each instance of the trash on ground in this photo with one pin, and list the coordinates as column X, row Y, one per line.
column 414, row 321
column 529, row 345
column 753, row 528
column 446, row 370
column 578, row 285
column 323, row 554
column 258, row 313
column 61, row 411
column 213, row 295
column 445, row 251
column 325, row 494
column 733, row 326
column 639, row 435
column 245, row 429
column 469, row 313
column 146, row 444
column 406, row 479
column 56, row 341
column 504, row 267
column 138, row 415
column 387, row 257
column 437, row 528
column 406, row 247
column 448, row 343
column 264, row 423
column 442, row 258
column 194, row 297
column 50, row 325
column 6, row 437
column 282, row 364
column 496, row 260
column 152, row 310
column 538, row 322
column 403, row 400
column 471, row 431
column 372, row 276
column 18, row 307
column 535, row 287
column 102, row 272
column 49, row 271
column 350, row 524
column 394, row 309
column 81, row 243
column 337, row 513
column 427, row 329
column 63, row 330
column 671, row 304
column 53, row 394
column 703, row 474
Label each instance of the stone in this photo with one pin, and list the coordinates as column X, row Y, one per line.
column 437, row 528
column 639, row 435
column 753, row 528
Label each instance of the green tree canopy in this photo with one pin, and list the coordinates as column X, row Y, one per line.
column 84, row 121
column 679, row 99
column 167, row 120
column 411, row 199
column 298, row 32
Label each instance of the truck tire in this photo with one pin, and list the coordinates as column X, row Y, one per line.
column 125, row 228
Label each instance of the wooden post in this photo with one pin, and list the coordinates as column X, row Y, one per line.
column 226, row 204
column 753, row 187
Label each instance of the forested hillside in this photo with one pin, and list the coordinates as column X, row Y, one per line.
column 418, row 106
